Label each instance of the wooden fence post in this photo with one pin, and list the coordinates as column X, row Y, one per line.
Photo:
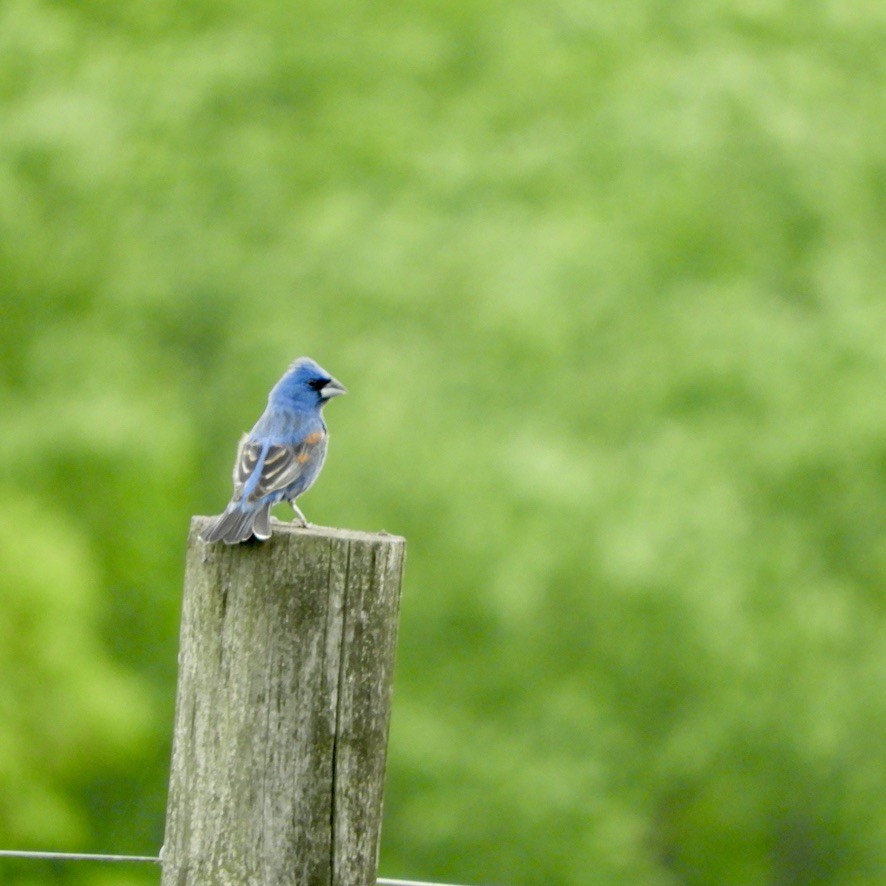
column 281, row 723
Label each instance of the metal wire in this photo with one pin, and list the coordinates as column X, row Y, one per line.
column 77, row 856
column 150, row 859
column 409, row 883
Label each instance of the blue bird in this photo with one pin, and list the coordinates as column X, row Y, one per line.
column 281, row 456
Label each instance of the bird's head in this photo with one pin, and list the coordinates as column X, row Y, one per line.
column 305, row 384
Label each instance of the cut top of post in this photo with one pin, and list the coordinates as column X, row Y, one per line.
column 284, row 527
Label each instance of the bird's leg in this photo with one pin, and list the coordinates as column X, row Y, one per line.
column 298, row 513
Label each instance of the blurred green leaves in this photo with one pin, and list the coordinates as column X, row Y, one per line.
column 65, row 704
column 604, row 284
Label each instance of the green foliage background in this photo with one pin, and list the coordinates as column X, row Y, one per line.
column 606, row 284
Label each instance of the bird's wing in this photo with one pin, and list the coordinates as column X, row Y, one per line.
column 282, row 465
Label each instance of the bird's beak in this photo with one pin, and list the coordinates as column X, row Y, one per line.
column 333, row 388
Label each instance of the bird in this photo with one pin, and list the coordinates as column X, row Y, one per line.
column 280, row 458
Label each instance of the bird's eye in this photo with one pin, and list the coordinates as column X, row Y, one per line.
column 318, row 383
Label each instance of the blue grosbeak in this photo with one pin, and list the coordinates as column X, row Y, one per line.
column 281, row 456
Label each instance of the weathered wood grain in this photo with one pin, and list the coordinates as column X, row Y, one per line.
column 284, row 692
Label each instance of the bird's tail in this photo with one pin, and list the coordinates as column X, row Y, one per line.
column 237, row 524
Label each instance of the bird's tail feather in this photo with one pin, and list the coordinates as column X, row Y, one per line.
column 261, row 528
column 235, row 525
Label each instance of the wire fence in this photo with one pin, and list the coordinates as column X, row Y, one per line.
column 152, row 859
column 78, row 856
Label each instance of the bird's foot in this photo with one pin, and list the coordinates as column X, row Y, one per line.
column 300, row 519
